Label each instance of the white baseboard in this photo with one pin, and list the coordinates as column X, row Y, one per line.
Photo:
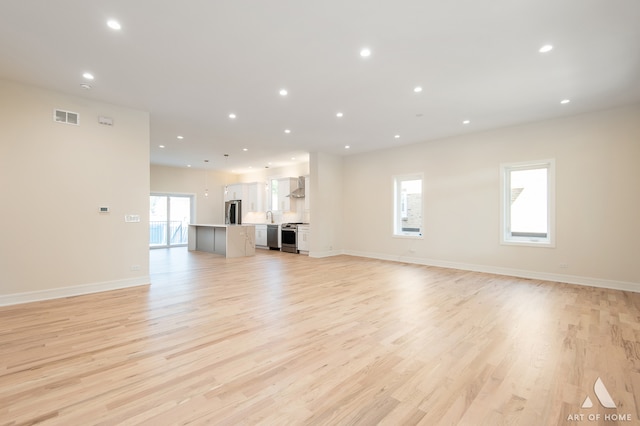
column 321, row 254
column 57, row 293
column 544, row 276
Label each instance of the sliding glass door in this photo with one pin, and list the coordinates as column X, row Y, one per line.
column 169, row 218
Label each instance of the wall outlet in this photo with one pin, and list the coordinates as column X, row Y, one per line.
column 564, row 265
column 132, row 218
column 135, row 267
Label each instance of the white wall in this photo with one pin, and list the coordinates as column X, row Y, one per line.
column 328, row 202
column 185, row 181
column 597, row 200
column 53, row 178
column 262, row 175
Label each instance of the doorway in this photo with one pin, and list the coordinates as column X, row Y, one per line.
column 169, row 218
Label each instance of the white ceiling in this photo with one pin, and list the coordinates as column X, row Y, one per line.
column 191, row 63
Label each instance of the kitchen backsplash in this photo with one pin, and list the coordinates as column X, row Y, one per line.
column 278, row 217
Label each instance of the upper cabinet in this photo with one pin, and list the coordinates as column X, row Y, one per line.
column 256, row 197
column 283, row 195
column 306, row 195
column 281, row 189
column 252, row 195
column 235, row 191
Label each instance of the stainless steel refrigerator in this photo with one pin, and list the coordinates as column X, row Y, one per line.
column 233, row 212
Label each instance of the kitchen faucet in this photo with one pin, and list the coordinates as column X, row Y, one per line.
column 267, row 215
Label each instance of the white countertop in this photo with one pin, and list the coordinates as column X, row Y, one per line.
column 279, row 224
column 214, row 225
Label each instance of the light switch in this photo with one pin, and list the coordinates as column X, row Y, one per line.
column 132, row 218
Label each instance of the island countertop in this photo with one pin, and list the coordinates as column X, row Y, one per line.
column 219, row 225
column 224, row 239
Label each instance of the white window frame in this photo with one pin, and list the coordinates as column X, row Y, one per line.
column 398, row 210
column 506, row 238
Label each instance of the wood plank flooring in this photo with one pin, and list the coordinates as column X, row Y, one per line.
column 283, row 339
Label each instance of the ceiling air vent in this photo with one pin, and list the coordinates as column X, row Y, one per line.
column 67, row 117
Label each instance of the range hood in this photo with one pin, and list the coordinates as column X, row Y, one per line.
column 299, row 191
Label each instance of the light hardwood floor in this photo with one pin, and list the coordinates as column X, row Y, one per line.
column 283, row 339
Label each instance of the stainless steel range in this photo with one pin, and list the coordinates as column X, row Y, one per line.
column 290, row 237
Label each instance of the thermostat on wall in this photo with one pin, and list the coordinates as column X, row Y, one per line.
column 103, row 209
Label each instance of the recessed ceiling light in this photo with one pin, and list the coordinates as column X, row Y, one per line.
column 269, row 163
column 180, row 137
column 565, row 101
column 85, row 86
column 546, row 48
column 293, row 158
column 417, row 89
column 365, row 52
column 161, row 146
column 283, row 92
column 188, row 165
column 347, row 147
column 232, row 116
column 88, row 76
column 339, row 115
column 287, row 131
column 397, row 136
column 245, row 149
column 466, row 122
column 113, row 24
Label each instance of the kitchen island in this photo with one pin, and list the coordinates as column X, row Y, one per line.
column 227, row 240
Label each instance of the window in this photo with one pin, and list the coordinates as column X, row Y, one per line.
column 528, row 213
column 407, row 213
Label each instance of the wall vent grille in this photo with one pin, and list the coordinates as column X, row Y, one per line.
column 67, row 117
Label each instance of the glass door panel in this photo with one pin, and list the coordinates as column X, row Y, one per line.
column 169, row 218
column 180, row 214
column 158, row 217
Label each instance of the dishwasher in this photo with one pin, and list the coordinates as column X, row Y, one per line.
column 273, row 237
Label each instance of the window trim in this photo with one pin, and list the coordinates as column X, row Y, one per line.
column 397, row 206
column 531, row 240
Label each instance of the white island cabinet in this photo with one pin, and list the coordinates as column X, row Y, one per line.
column 227, row 240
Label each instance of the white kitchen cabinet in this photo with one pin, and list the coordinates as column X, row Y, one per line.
column 285, row 187
column 306, row 193
column 303, row 238
column 236, row 191
column 256, row 196
column 261, row 236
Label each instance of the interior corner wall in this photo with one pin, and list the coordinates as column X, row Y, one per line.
column 194, row 182
column 597, row 200
column 53, row 179
column 326, row 204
